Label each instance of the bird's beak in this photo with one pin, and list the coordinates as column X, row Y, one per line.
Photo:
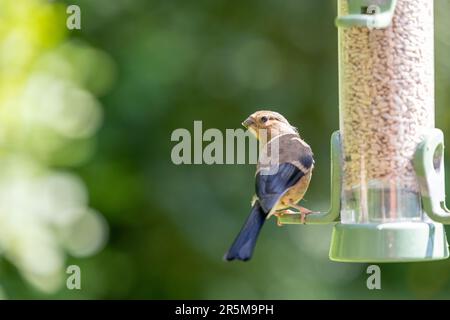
column 247, row 123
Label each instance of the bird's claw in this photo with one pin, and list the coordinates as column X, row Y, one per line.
column 303, row 213
column 306, row 212
column 280, row 214
column 303, row 217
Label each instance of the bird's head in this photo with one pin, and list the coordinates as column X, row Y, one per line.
column 268, row 123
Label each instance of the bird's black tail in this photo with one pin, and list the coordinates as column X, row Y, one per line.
column 242, row 247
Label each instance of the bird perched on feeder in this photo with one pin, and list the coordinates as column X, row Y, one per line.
column 283, row 174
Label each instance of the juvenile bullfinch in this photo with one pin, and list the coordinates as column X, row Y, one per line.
column 283, row 174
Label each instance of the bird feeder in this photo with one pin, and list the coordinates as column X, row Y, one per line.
column 388, row 188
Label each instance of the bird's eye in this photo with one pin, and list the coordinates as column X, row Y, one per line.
column 264, row 119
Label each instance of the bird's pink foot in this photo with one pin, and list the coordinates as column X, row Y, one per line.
column 303, row 212
column 303, row 216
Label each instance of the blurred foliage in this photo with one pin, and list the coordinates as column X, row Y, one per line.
column 48, row 116
column 180, row 61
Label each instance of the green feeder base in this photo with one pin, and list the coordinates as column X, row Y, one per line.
column 389, row 242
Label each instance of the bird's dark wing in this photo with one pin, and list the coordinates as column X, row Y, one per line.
column 269, row 188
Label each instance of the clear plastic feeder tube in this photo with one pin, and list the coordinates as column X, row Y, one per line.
column 386, row 106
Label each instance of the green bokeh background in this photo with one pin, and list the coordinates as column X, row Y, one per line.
column 218, row 61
